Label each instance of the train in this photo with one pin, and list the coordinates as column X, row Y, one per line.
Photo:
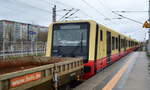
column 98, row 45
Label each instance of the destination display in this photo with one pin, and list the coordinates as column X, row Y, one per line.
column 70, row 26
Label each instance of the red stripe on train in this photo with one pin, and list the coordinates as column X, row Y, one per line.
column 101, row 63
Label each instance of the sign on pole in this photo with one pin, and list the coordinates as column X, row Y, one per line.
column 146, row 24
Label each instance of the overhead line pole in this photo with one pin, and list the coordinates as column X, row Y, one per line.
column 54, row 13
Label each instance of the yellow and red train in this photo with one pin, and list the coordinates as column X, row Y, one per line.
column 98, row 45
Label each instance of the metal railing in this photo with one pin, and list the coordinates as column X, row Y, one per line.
column 9, row 48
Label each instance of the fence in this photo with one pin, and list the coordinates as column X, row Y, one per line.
column 21, row 47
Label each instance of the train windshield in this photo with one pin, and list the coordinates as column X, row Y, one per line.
column 70, row 40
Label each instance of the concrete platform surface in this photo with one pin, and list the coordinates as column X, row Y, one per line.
column 132, row 72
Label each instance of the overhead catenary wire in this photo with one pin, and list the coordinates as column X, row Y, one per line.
column 89, row 5
column 119, row 11
column 64, row 4
column 94, row 8
column 106, row 6
column 12, row 8
column 28, row 5
column 125, row 12
column 127, row 18
column 130, row 11
column 83, row 12
column 71, row 15
column 109, row 9
column 65, row 15
column 50, row 2
column 63, row 10
column 20, row 11
column 70, row 6
column 40, row 9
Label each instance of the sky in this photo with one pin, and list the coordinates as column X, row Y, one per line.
column 40, row 12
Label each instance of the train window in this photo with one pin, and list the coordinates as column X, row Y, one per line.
column 132, row 44
column 121, row 43
column 116, row 43
column 113, row 43
column 128, row 43
column 101, row 35
column 125, row 41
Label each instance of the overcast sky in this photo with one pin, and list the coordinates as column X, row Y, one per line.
column 40, row 12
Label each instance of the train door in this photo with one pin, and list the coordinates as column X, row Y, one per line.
column 96, row 47
column 108, row 38
column 119, row 45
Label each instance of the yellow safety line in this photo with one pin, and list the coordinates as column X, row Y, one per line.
column 115, row 79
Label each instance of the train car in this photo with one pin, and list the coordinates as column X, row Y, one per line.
column 98, row 45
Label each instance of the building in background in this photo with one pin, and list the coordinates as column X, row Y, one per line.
column 13, row 34
column 17, row 31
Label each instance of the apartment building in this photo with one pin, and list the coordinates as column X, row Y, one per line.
column 17, row 31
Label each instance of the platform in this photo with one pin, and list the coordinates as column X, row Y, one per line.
column 132, row 72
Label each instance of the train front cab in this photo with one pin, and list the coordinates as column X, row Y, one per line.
column 60, row 47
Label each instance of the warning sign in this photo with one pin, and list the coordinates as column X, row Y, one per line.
column 146, row 24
